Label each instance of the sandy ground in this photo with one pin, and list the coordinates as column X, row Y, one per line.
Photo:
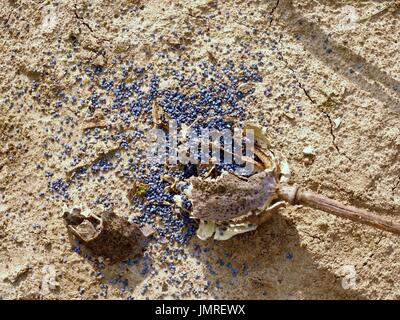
column 336, row 60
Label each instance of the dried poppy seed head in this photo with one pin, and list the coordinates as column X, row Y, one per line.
column 232, row 204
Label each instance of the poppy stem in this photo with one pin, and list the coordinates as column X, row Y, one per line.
column 295, row 195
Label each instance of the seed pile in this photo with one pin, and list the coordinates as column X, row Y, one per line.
column 122, row 96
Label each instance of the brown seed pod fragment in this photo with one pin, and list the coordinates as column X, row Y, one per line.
column 108, row 235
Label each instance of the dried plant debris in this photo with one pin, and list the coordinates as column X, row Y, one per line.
column 229, row 204
column 107, row 235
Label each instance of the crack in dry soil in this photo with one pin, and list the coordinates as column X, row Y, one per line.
column 82, row 19
column 334, row 136
column 396, row 184
column 10, row 14
column 272, row 12
column 342, row 59
column 311, row 99
column 293, row 71
column 312, row 236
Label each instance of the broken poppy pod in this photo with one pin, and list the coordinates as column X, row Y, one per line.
column 230, row 204
column 107, row 235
